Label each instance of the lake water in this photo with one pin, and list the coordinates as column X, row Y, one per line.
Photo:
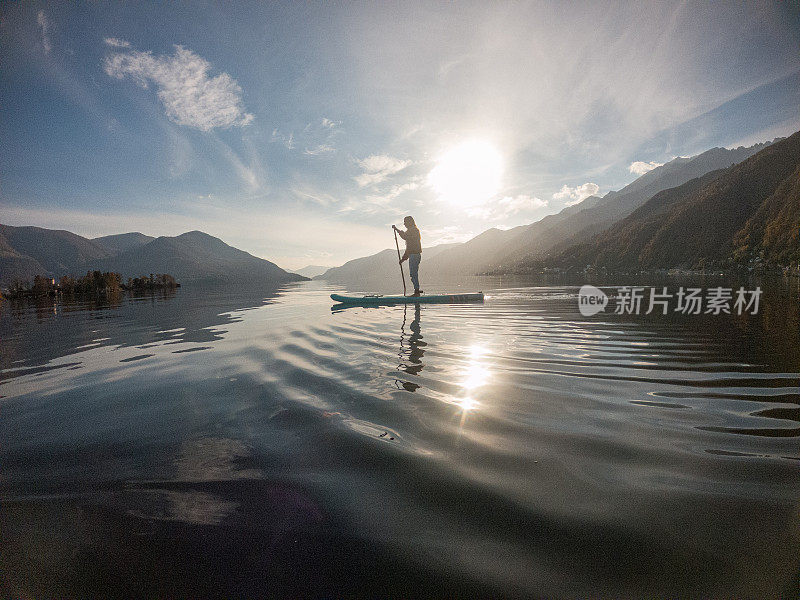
column 211, row 444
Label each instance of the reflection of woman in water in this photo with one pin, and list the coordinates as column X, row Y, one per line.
column 415, row 351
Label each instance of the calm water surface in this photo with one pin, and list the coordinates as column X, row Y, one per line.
column 266, row 445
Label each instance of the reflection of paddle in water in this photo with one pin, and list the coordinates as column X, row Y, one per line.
column 411, row 356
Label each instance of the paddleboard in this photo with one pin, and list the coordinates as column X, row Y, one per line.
column 379, row 299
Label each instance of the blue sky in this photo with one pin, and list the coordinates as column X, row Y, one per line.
column 300, row 131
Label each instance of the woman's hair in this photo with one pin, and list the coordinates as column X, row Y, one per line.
column 409, row 221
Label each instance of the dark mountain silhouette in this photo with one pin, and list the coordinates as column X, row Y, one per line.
column 377, row 267
column 56, row 251
column 772, row 232
column 123, row 241
column 483, row 249
column 615, row 206
column 15, row 266
column 620, row 251
column 496, row 247
column 747, row 212
column 197, row 256
column 190, row 257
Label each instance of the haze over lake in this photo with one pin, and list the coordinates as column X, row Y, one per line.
column 513, row 448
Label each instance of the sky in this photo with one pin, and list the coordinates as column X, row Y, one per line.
column 300, row 132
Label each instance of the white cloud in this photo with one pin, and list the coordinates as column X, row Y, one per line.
column 307, row 192
column 286, row 140
column 396, row 190
column 180, row 154
column 44, row 25
column 315, row 138
column 319, row 149
column 515, row 204
column 574, row 195
column 117, row 43
column 249, row 174
column 640, row 168
column 382, row 162
column 507, row 206
column 188, row 94
column 378, row 168
column 383, row 200
column 446, row 235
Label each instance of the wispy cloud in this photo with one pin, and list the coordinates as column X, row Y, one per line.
column 117, row 43
column 640, row 168
column 401, row 188
column 316, row 138
column 306, row 192
column 281, row 138
column 384, row 199
column 574, row 195
column 380, row 200
column 251, row 175
column 507, row 206
column 379, row 167
column 189, row 95
column 179, row 158
column 448, row 234
column 319, row 149
column 44, row 25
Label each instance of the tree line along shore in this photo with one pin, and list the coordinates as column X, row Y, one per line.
column 94, row 283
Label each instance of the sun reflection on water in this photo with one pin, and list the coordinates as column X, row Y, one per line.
column 475, row 375
column 468, row 403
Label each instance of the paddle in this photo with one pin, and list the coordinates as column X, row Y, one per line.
column 402, row 273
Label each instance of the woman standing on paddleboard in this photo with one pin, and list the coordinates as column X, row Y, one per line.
column 413, row 251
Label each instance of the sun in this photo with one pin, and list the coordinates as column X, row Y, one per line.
column 467, row 175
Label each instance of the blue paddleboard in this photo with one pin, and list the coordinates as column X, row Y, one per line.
column 379, row 299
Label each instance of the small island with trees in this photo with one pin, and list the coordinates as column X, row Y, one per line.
column 94, row 284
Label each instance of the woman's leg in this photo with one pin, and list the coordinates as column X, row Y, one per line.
column 413, row 268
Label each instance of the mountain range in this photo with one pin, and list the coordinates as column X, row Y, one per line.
column 375, row 268
column 719, row 208
column 190, row 257
column 123, row 241
column 748, row 213
column 311, row 270
column 535, row 245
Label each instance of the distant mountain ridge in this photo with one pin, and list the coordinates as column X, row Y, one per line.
column 190, row 257
column 311, row 271
column 745, row 214
column 197, row 256
column 380, row 266
column 54, row 250
column 123, row 241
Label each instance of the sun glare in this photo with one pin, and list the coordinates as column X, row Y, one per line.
column 467, row 175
